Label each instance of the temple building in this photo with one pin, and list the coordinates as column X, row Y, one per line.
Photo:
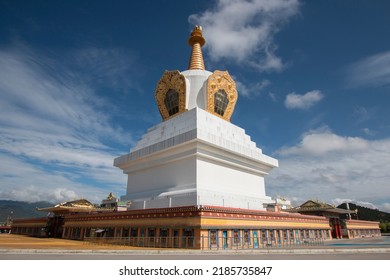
column 340, row 220
column 195, row 180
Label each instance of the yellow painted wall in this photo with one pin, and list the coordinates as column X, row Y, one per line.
column 362, row 226
column 203, row 222
column 237, row 223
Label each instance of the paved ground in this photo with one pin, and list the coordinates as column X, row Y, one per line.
column 21, row 247
column 13, row 241
column 180, row 256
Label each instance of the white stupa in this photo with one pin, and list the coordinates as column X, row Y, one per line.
column 196, row 156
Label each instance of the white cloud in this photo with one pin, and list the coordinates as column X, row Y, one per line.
column 53, row 130
column 362, row 114
column 243, row 31
column 315, row 143
column 385, row 207
column 367, row 131
column 21, row 180
column 305, row 101
column 381, row 206
column 251, row 90
column 326, row 166
column 338, row 201
column 110, row 67
column 273, row 96
column 373, row 71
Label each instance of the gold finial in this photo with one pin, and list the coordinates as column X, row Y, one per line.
column 196, row 41
column 110, row 196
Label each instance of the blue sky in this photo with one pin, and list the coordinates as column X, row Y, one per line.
column 77, row 81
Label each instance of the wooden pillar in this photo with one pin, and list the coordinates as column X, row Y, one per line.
column 170, row 238
column 82, row 232
column 180, row 237
column 220, row 239
column 204, row 238
column 294, row 236
column 197, row 237
column 281, row 237
column 157, row 238
column 338, row 231
column 140, row 239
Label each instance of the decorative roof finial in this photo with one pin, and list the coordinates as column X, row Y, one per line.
column 196, row 41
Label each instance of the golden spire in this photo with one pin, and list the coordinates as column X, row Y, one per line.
column 196, row 41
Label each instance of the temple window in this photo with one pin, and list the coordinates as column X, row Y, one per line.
column 285, row 234
column 236, row 236
column 188, row 238
column 134, row 232
column 213, row 237
column 247, row 239
column 172, row 102
column 221, row 102
column 272, row 235
column 264, row 238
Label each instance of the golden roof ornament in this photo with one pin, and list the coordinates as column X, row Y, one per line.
column 196, row 41
column 175, row 95
column 110, row 196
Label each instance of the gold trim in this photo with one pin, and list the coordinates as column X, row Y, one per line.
column 171, row 80
column 361, row 226
column 217, row 81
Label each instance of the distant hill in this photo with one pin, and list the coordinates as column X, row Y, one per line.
column 367, row 214
column 21, row 209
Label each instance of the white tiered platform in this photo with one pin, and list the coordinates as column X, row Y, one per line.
column 196, row 158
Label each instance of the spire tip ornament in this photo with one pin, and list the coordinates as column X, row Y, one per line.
column 196, row 36
column 196, row 41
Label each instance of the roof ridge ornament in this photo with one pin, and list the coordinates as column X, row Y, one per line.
column 196, row 41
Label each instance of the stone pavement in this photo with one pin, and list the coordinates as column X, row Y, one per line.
column 10, row 243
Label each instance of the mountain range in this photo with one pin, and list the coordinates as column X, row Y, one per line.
column 21, row 209
column 365, row 213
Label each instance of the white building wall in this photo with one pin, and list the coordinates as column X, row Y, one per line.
column 196, row 158
column 233, row 201
column 174, row 177
column 224, row 179
column 227, row 186
column 197, row 83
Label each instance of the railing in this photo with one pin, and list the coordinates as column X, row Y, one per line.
column 255, row 243
column 153, row 242
column 203, row 243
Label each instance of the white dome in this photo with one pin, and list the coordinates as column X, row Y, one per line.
column 196, row 89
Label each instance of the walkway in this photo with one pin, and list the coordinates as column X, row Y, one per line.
column 17, row 244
